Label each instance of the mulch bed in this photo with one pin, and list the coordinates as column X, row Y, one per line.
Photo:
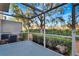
column 77, row 45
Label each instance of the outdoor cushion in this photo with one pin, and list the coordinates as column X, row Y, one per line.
column 4, row 36
column 12, row 38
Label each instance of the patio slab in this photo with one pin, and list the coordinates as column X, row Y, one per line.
column 25, row 48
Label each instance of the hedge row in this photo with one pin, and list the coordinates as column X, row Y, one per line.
column 52, row 42
column 55, row 31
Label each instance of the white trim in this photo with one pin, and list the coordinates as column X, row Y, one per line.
column 53, row 35
column 44, row 38
column 28, row 33
column 73, row 42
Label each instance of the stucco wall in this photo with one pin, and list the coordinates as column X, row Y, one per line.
column 10, row 27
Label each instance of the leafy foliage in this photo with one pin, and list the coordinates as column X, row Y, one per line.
column 52, row 42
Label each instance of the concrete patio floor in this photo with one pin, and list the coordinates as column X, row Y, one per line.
column 25, row 48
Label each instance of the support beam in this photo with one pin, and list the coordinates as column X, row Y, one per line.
column 32, row 7
column 48, row 10
column 73, row 31
column 38, row 10
column 76, row 4
column 28, row 33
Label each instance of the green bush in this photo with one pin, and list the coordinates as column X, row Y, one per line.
column 38, row 39
column 24, row 36
column 77, row 38
column 54, row 31
column 77, row 32
column 52, row 42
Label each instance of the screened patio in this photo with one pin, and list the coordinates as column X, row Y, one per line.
column 48, row 29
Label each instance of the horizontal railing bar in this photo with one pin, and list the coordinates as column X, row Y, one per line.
column 59, row 35
column 56, row 35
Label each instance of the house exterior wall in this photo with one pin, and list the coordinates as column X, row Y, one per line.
column 10, row 27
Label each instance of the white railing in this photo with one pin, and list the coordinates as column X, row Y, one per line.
column 58, row 36
column 55, row 35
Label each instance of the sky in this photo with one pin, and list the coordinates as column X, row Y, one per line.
column 67, row 11
column 23, row 8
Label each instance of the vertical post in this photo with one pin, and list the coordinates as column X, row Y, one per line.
column 73, row 31
column 28, row 32
column 0, row 28
column 44, row 33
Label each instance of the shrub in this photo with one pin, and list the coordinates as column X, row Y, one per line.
column 54, row 31
column 52, row 42
column 38, row 39
column 24, row 36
